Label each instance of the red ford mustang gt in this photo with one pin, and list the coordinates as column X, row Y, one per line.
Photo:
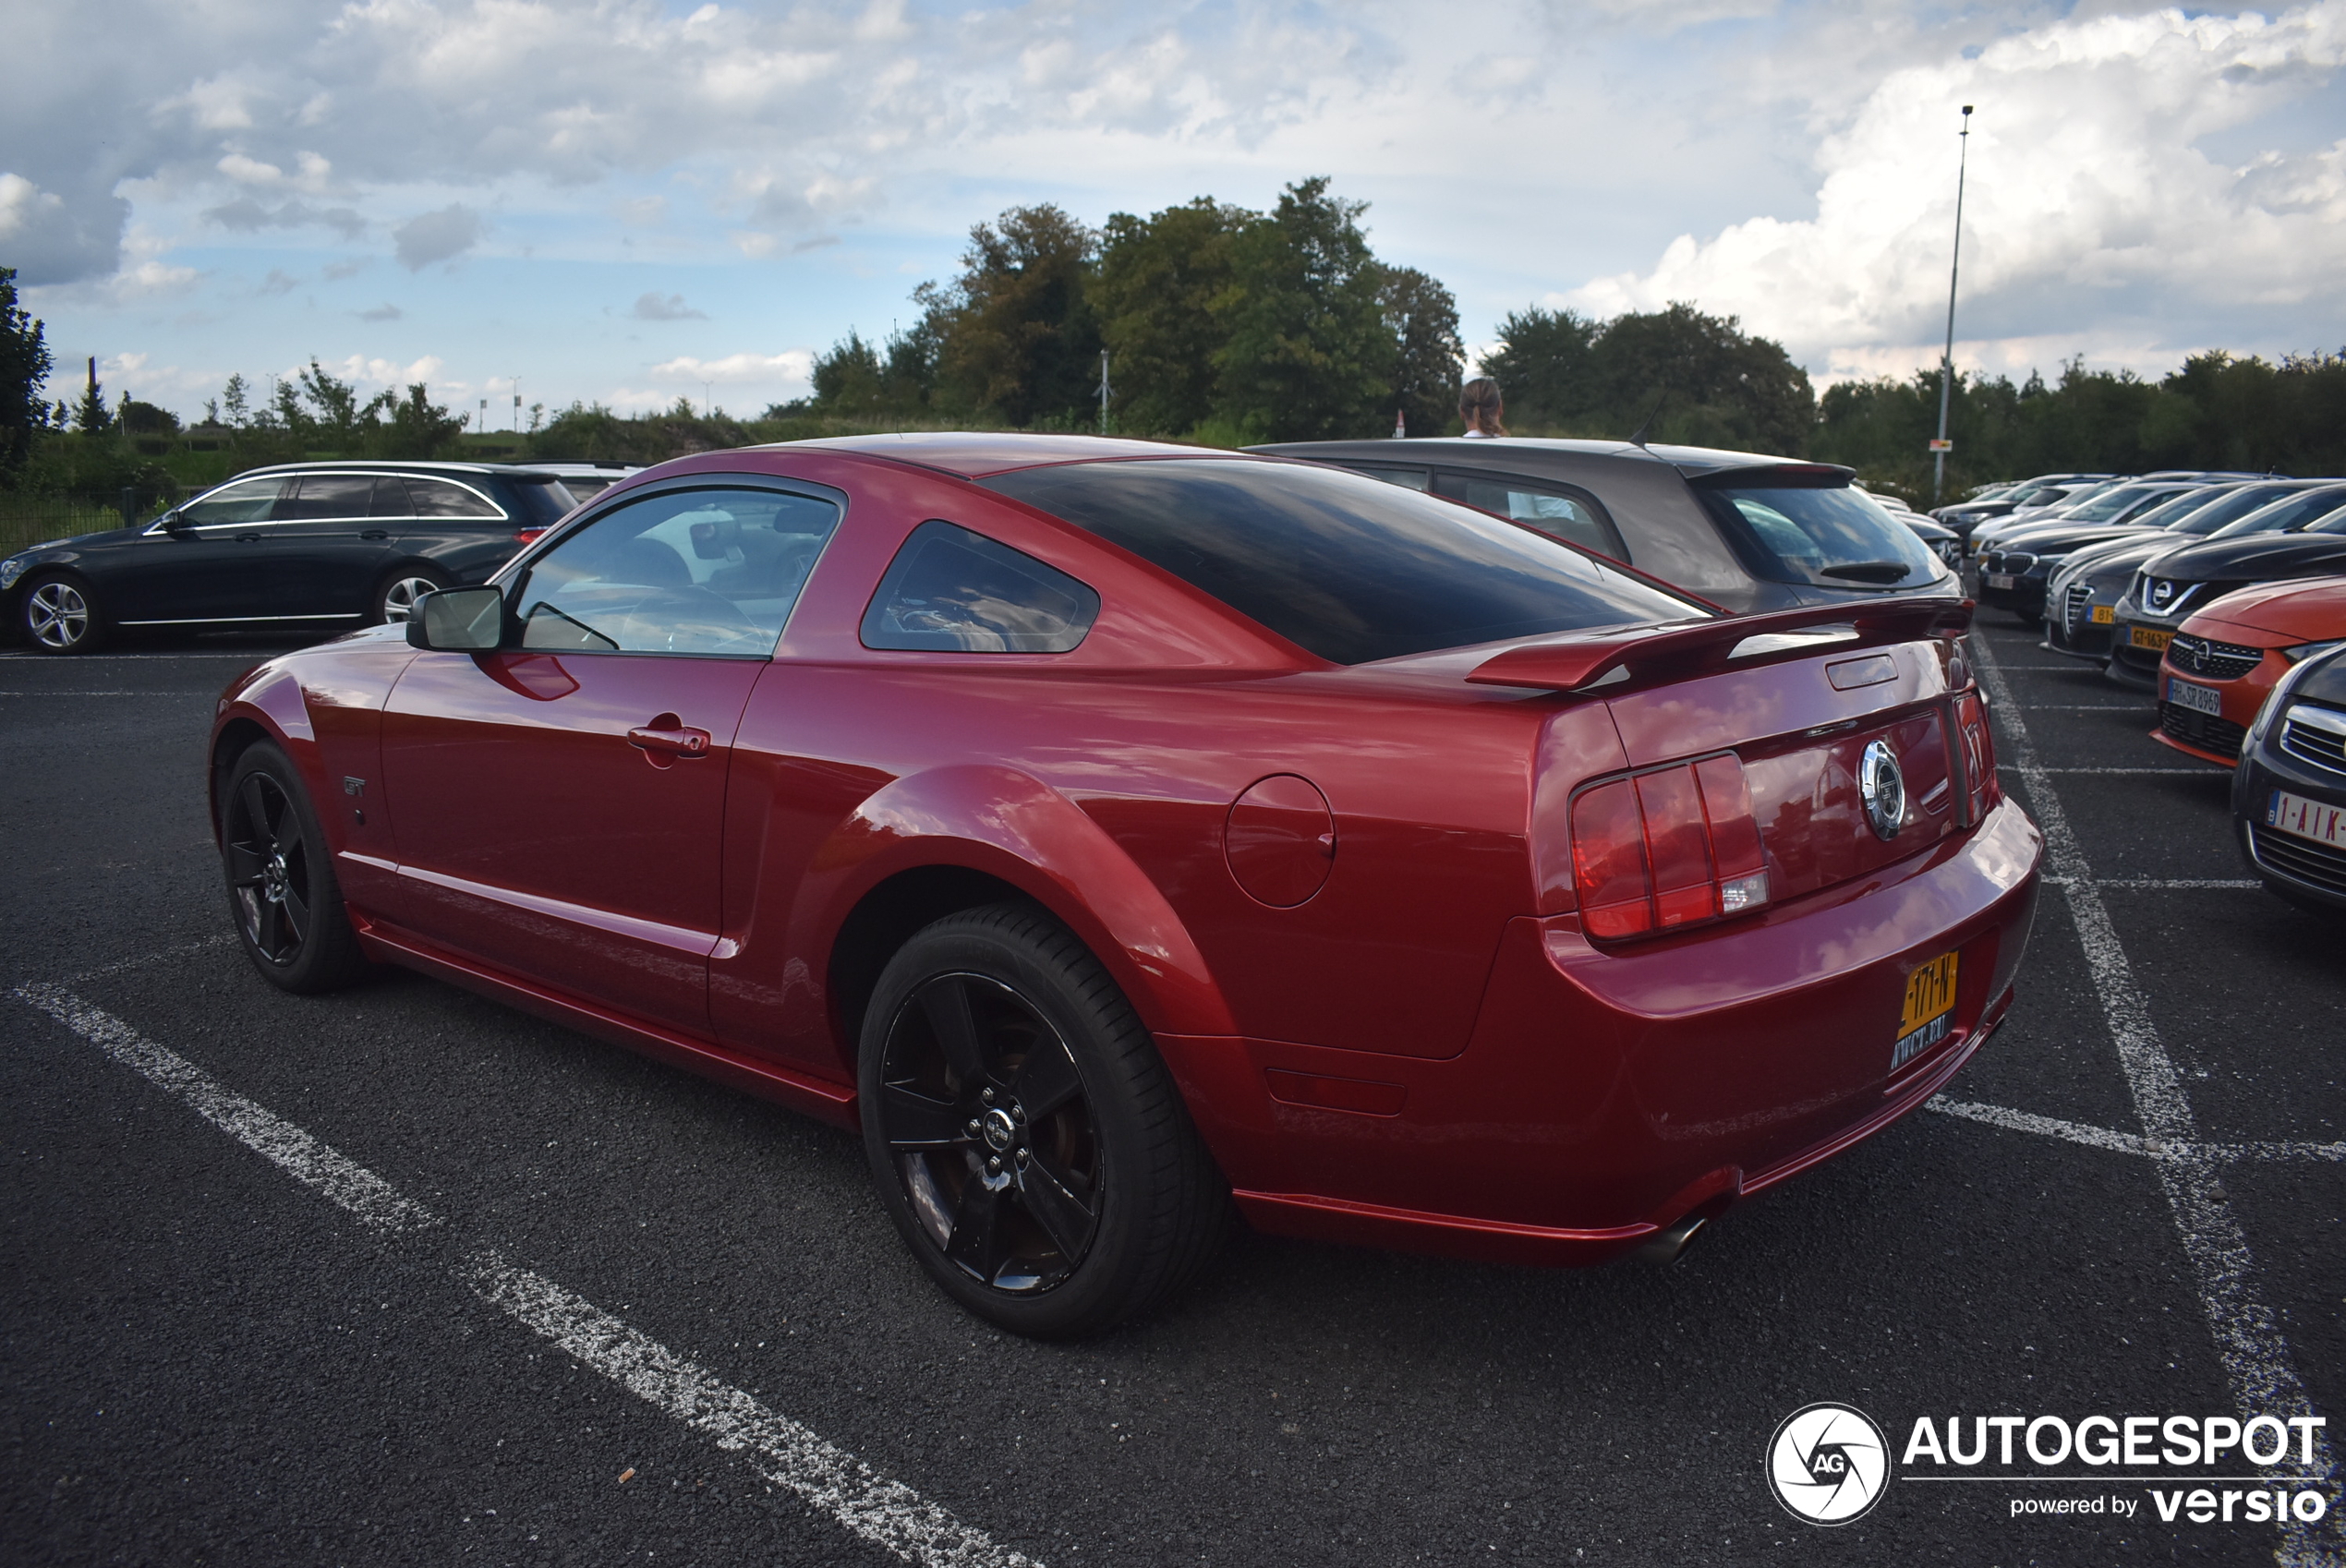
column 1109, row 831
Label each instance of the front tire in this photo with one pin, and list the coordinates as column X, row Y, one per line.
column 59, row 615
column 282, row 891
column 397, row 595
column 1025, row 1136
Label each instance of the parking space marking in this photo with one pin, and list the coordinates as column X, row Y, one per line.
column 2137, row 883
column 887, row 1513
column 2086, row 707
column 63, row 693
column 2134, row 1143
column 2249, row 1342
column 866, row 1501
column 160, row 955
column 374, row 1201
column 2211, row 771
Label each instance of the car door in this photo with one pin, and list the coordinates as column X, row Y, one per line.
column 329, row 541
column 1562, row 512
column 206, row 566
column 559, row 804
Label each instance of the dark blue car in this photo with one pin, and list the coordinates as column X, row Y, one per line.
column 323, row 546
column 2288, row 794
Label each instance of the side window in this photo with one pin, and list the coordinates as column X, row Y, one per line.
column 438, row 497
column 248, row 501
column 324, row 497
column 391, row 499
column 1554, row 509
column 712, row 571
column 1407, row 479
column 952, row 590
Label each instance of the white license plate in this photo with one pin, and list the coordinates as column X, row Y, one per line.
column 2307, row 819
column 2199, row 699
column 1998, row 579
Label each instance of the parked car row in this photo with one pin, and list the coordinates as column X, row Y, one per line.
column 2224, row 596
column 319, row 546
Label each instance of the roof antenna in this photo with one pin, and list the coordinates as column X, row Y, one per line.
column 1639, row 440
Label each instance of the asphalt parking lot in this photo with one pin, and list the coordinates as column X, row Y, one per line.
column 397, row 1276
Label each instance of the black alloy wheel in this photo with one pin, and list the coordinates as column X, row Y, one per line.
column 281, row 882
column 1023, row 1131
column 985, row 1115
column 59, row 615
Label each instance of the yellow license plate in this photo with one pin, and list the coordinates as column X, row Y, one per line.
column 1929, row 1015
column 2104, row 614
column 2149, row 637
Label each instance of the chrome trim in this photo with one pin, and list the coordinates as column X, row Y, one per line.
column 236, row 619
column 2317, row 718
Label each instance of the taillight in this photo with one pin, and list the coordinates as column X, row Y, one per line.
column 528, row 535
column 1667, row 848
column 1978, row 754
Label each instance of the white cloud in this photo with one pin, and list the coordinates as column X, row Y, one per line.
column 2092, row 198
column 437, row 237
column 666, row 307
column 793, row 364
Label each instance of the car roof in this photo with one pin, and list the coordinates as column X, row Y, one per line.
column 403, row 466
column 1694, row 462
column 972, row 454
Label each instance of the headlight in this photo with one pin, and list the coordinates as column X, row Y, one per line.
column 2297, row 655
column 2278, row 697
column 10, row 570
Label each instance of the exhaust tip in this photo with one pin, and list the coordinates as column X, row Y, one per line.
column 1668, row 1246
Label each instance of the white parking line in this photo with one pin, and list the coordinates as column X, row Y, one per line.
column 2088, row 707
column 867, row 1502
column 374, row 1202
column 2249, row 1342
column 2210, row 771
column 61, row 692
column 2138, row 883
column 887, row 1513
column 2134, row 1143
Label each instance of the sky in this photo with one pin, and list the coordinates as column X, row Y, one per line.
column 628, row 202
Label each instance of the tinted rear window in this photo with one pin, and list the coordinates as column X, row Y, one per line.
column 2288, row 514
column 1338, row 563
column 1795, row 529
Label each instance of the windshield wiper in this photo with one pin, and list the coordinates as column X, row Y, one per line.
column 1867, row 570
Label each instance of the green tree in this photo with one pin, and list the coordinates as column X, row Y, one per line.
column 24, row 369
column 1545, row 368
column 90, row 415
column 1156, row 291
column 1713, row 385
column 1014, row 334
column 1307, row 354
column 1422, row 317
column 418, row 427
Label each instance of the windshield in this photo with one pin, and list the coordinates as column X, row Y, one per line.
column 2333, row 523
column 2288, row 514
column 2200, row 513
column 1818, row 532
column 1344, row 566
column 2111, row 504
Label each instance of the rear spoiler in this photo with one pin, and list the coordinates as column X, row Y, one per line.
column 1581, row 659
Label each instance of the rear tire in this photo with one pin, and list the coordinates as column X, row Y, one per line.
column 59, row 615
column 397, row 595
column 282, row 891
column 1025, row 1136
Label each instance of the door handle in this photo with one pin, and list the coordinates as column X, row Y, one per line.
column 375, row 533
column 679, row 741
column 247, row 538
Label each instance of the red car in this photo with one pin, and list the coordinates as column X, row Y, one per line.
column 1110, row 829
column 2224, row 661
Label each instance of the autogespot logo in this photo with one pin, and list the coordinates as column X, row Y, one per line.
column 1828, row 1464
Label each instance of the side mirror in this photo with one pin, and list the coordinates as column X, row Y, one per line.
column 172, row 522
column 458, row 621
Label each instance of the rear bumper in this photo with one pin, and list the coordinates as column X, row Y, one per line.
column 1607, row 1095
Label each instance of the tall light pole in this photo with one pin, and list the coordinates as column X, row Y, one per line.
column 1939, row 448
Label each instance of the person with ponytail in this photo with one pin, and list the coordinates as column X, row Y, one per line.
column 1479, row 407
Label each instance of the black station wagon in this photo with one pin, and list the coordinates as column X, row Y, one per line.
column 323, row 546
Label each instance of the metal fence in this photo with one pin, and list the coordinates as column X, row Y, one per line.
column 26, row 520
